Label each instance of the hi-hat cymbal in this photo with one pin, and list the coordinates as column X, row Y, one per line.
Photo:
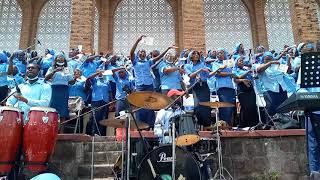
column 148, row 100
column 121, row 123
column 216, row 104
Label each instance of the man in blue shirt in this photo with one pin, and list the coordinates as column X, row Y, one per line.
column 34, row 92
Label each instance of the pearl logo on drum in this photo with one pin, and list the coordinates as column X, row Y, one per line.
column 163, row 157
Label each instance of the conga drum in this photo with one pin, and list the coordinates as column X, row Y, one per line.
column 11, row 120
column 39, row 137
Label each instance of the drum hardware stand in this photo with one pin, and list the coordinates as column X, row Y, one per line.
column 92, row 159
column 219, row 173
column 129, row 112
column 260, row 124
column 94, row 124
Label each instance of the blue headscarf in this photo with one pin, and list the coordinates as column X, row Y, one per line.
column 299, row 48
column 236, row 49
column 226, row 54
column 51, row 51
column 3, row 58
column 237, row 58
column 267, row 54
column 60, row 54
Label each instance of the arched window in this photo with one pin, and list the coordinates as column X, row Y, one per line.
column 96, row 31
column 278, row 23
column 54, row 26
column 152, row 18
column 227, row 23
column 10, row 25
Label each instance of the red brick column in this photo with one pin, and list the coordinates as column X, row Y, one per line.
column 191, row 24
column 82, row 24
column 304, row 20
column 262, row 36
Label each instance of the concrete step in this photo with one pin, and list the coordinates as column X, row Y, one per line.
column 108, row 157
column 100, row 171
column 102, row 146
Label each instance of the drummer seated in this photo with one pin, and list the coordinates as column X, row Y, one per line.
column 34, row 92
column 162, row 122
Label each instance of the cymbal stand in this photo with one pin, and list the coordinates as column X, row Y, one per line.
column 128, row 145
column 129, row 114
column 173, row 174
column 122, row 155
column 219, row 173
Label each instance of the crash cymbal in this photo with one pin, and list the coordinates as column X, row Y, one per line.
column 149, row 100
column 121, row 123
column 216, row 104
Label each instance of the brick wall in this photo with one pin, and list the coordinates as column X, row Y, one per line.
column 304, row 20
column 82, row 24
column 191, row 28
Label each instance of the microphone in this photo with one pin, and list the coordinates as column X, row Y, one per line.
column 17, row 87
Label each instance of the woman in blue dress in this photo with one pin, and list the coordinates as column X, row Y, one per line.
column 224, row 86
column 60, row 77
column 276, row 84
column 197, row 69
column 246, row 94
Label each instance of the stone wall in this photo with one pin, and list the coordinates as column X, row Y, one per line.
column 283, row 157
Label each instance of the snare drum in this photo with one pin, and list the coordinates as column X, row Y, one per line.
column 161, row 159
column 187, row 133
column 11, row 120
column 39, row 137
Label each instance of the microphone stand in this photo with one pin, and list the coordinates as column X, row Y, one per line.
column 260, row 124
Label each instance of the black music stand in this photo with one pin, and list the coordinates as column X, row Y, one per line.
column 310, row 70
column 310, row 78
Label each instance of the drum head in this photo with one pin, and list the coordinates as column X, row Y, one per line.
column 43, row 109
column 187, row 140
column 161, row 159
column 9, row 108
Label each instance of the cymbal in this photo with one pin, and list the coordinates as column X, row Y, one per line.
column 216, row 104
column 121, row 123
column 149, row 100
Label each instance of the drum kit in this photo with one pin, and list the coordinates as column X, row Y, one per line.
column 167, row 161
column 35, row 139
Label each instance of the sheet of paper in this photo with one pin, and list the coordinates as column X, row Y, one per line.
column 283, row 68
column 80, row 48
column 107, row 72
column 148, row 41
column 229, row 63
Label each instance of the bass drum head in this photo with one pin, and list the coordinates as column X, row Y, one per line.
column 161, row 158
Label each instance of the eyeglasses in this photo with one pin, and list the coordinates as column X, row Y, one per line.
column 31, row 67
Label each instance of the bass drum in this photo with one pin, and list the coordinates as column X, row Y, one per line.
column 187, row 167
